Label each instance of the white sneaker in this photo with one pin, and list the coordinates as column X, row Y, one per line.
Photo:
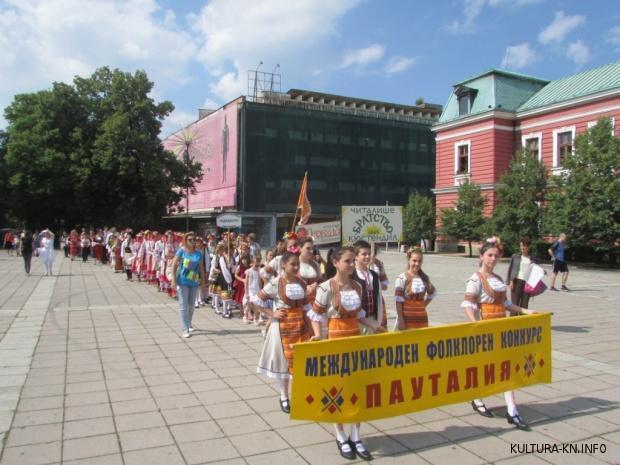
column 191, row 330
column 186, row 334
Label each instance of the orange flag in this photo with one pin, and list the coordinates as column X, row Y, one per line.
column 303, row 203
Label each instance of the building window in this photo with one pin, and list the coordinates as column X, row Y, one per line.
column 532, row 143
column 463, row 105
column 562, row 144
column 461, row 157
column 465, row 98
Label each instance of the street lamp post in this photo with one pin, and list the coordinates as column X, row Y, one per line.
column 187, row 163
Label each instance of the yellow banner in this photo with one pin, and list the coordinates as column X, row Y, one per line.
column 385, row 375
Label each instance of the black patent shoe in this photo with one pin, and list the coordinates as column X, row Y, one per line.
column 285, row 405
column 350, row 454
column 517, row 421
column 360, row 449
column 482, row 410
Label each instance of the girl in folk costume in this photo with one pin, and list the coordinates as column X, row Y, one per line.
column 85, row 246
column 74, row 244
column 129, row 255
column 309, row 270
column 158, row 259
column 290, row 324
column 239, row 284
column 273, row 267
column 253, row 284
column 138, row 258
column 99, row 248
column 413, row 291
column 339, row 303
column 169, row 252
column 46, row 251
column 222, row 277
column 485, row 299
column 117, row 254
column 149, row 249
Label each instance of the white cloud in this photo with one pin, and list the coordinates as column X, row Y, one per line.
column 363, row 56
column 473, row 8
column 55, row 40
column 176, row 120
column 578, row 52
column 519, row 57
column 471, row 11
column 560, row 27
column 613, row 37
column 237, row 34
column 398, row 64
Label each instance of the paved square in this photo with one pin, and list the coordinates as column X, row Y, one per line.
column 93, row 369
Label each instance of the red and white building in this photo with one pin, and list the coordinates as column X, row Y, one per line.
column 490, row 116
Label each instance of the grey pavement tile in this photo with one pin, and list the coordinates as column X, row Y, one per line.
column 89, row 386
column 562, row 431
column 38, row 417
column 198, row 374
column 85, row 377
column 86, row 398
column 168, row 455
column 37, row 454
column 118, row 395
column 279, row 419
column 253, row 392
column 392, row 423
column 125, row 383
column 325, row 453
column 242, row 425
column 523, row 460
column 89, row 427
column 416, row 437
column 406, row 458
column 145, row 438
column 25, row 435
column 133, row 406
column 199, row 431
column 135, row 421
column 40, row 403
column 228, row 409
column 174, row 416
column 115, row 459
column 258, row 443
column 115, row 373
column 30, row 391
column 288, row 457
column 211, row 450
column 489, row 448
column 454, row 429
column 6, row 418
column 40, row 381
column 304, row 435
column 209, row 398
column 92, row 411
column 166, row 390
column 178, row 401
column 446, row 454
column 207, row 385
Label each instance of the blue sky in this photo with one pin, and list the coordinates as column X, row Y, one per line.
column 198, row 52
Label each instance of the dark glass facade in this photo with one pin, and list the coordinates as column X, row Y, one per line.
column 350, row 159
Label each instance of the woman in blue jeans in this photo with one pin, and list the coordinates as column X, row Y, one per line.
column 188, row 274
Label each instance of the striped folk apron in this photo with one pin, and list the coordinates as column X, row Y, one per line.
column 348, row 323
column 494, row 309
column 293, row 327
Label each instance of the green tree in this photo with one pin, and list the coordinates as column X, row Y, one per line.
column 584, row 200
column 4, row 179
column 419, row 219
column 519, row 198
column 465, row 221
column 90, row 153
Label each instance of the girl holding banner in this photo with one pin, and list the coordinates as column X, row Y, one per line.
column 485, row 299
column 413, row 291
column 339, row 303
column 289, row 324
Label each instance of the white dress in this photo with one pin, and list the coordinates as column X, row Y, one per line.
column 46, row 251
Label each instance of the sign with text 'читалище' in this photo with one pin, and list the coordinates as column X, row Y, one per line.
column 372, row 224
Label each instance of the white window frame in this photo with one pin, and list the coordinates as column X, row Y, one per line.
column 533, row 135
column 591, row 124
column 456, row 156
column 556, row 132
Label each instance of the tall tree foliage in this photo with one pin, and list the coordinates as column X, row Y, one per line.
column 419, row 219
column 465, row 221
column 520, row 195
column 89, row 153
column 4, row 180
column 584, row 199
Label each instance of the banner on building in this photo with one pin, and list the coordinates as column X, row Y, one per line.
column 322, row 233
column 385, row 375
column 373, row 224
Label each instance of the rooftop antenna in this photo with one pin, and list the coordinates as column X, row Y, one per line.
column 256, row 80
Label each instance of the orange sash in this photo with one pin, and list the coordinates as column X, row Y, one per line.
column 348, row 323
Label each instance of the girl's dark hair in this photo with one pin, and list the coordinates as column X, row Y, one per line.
column 423, row 276
column 305, row 240
column 526, row 240
column 359, row 245
column 340, row 251
column 245, row 257
column 488, row 245
column 330, row 269
column 286, row 256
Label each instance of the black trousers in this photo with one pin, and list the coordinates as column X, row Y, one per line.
column 27, row 262
column 85, row 253
column 518, row 296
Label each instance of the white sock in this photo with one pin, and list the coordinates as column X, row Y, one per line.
column 340, row 433
column 355, row 432
column 478, row 402
column 509, row 397
column 216, row 302
column 283, row 385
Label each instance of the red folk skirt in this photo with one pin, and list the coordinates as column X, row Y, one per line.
column 293, row 329
column 343, row 327
column 414, row 313
column 492, row 311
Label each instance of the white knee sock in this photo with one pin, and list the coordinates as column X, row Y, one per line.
column 478, row 402
column 509, row 396
column 340, row 435
column 355, row 432
column 216, row 302
column 283, row 385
